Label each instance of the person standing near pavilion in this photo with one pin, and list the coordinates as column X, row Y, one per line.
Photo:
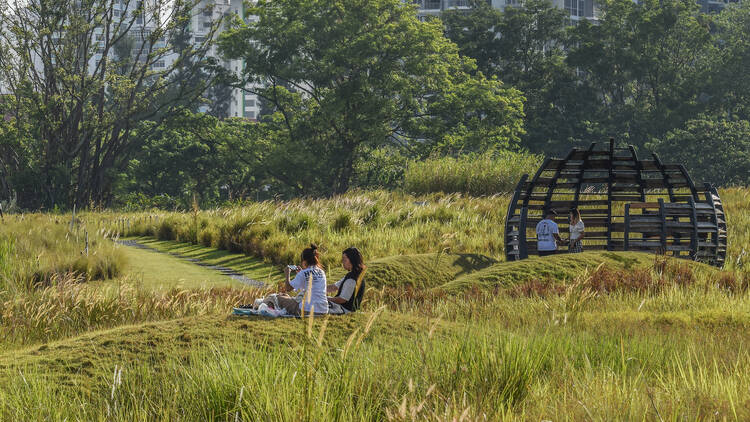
column 547, row 234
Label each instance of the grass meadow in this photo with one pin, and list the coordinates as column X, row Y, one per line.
column 448, row 331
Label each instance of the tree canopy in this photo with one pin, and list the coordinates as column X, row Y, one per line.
column 83, row 74
column 351, row 91
column 344, row 77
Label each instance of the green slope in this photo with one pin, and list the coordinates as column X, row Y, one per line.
column 79, row 360
column 424, row 270
column 562, row 267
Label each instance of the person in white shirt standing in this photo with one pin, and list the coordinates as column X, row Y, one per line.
column 547, row 234
column 576, row 231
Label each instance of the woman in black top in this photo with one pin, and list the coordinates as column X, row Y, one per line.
column 350, row 289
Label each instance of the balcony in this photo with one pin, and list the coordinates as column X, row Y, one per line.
column 431, row 4
column 457, row 4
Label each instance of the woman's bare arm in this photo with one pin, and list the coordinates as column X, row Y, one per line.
column 287, row 287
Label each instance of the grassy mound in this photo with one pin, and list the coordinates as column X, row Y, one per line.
column 455, row 273
column 562, row 267
column 79, row 361
column 379, row 223
column 42, row 249
column 424, row 270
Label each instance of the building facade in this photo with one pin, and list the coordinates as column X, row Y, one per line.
column 578, row 9
column 242, row 103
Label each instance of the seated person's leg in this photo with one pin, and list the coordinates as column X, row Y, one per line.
column 289, row 304
column 335, row 309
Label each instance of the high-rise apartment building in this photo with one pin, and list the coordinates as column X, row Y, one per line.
column 714, row 6
column 578, row 9
column 206, row 13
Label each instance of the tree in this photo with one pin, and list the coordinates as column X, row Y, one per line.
column 364, row 73
column 193, row 154
column 82, row 73
column 729, row 92
column 713, row 150
column 476, row 33
column 524, row 47
column 647, row 63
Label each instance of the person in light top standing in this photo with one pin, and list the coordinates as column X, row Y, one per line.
column 576, row 231
column 547, row 234
column 310, row 282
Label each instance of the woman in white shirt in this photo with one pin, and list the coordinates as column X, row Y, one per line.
column 351, row 288
column 310, row 283
column 576, row 232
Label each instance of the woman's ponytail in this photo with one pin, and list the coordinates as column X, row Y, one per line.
column 310, row 255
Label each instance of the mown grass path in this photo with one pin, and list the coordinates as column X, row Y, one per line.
column 234, row 275
column 165, row 264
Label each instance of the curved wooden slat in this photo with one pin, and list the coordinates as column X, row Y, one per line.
column 512, row 206
column 682, row 226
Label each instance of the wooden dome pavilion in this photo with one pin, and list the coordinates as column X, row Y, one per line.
column 627, row 204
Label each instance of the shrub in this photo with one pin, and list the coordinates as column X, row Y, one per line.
column 167, row 229
column 295, row 222
column 208, row 236
column 486, row 174
column 342, row 222
column 380, row 168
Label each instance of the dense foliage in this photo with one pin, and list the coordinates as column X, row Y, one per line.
column 344, row 78
column 642, row 73
column 352, row 91
column 82, row 77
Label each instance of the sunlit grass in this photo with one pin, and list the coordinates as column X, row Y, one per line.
column 638, row 338
column 37, row 249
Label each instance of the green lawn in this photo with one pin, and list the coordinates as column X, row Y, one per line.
column 250, row 266
column 159, row 271
column 440, row 336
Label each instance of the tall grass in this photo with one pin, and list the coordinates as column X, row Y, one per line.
column 380, row 223
column 232, row 380
column 37, row 249
column 737, row 206
column 474, row 174
column 477, row 373
column 663, row 342
column 70, row 307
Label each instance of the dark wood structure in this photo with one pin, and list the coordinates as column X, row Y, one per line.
column 626, row 204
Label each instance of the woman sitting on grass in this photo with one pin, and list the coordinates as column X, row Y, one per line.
column 310, row 283
column 576, row 232
column 350, row 289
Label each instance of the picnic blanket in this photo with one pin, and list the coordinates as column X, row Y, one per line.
column 266, row 312
column 275, row 311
